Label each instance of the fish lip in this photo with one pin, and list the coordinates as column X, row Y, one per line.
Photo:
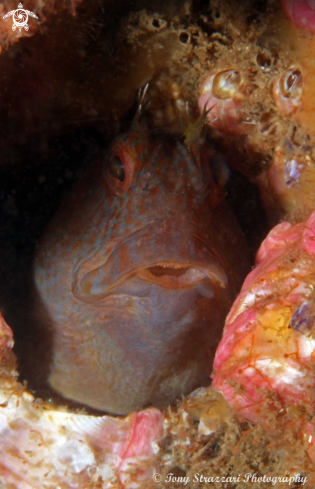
column 150, row 246
column 192, row 275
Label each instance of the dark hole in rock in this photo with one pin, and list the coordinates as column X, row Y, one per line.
column 184, row 37
column 31, row 194
column 263, row 60
column 156, row 23
column 29, row 201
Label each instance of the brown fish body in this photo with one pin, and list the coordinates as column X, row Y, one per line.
column 137, row 272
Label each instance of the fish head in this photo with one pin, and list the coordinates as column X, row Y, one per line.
column 137, row 272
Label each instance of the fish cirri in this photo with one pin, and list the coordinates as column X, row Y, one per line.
column 136, row 273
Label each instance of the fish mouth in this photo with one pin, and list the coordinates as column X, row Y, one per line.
column 178, row 276
column 93, row 286
column 148, row 256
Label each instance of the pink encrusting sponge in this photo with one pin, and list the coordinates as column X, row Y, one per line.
column 301, row 12
column 266, row 358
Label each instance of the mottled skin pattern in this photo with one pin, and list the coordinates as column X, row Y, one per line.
column 137, row 276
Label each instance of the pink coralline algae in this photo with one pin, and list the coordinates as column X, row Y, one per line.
column 267, row 354
column 301, row 12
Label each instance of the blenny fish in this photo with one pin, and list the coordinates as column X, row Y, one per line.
column 136, row 274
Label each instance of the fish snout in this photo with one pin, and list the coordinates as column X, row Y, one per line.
column 159, row 254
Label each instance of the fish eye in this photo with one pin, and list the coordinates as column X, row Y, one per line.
column 120, row 167
column 116, row 168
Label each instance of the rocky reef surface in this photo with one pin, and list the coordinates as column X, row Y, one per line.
column 253, row 68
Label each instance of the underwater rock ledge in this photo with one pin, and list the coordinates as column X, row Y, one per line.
column 43, row 445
